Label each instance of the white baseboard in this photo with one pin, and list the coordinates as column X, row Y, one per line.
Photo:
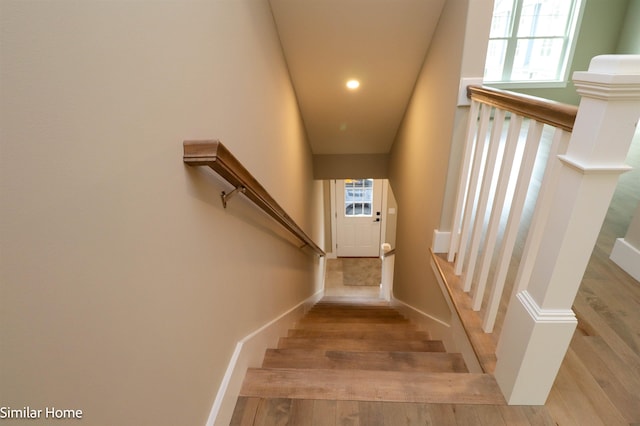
column 438, row 329
column 248, row 353
column 452, row 335
column 441, row 241
column 460, row 339
column 627, row 257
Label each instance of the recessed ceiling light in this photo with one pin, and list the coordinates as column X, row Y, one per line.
column 353, row 84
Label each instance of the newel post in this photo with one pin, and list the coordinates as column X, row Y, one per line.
column 539, row 323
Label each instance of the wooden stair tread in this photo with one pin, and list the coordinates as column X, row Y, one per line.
column 484, row 344
column 361, row 360
column 345, row 307
column 321, row 305
column 361, row 344
column 335, row 326
column 354, row 319
column 346, row 333
column 367, row 385
column 351, row 301
column 356, row 313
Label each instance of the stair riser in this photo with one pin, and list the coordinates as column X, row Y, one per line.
column 364, row 320
column 365, row 353
column 341, row 326
column 363, row 385
column 354, row 314
column 361, row 344
column 425, row 362
column 370, row 334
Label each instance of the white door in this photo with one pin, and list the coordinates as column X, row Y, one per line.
column 359, row 217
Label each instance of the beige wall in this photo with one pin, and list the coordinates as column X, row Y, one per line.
column 420, row 155
column 350, row 166
column 125, row 285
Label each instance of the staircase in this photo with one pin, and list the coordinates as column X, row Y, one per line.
column 362, row 350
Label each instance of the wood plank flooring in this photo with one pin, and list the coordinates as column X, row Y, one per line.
column 345, row 358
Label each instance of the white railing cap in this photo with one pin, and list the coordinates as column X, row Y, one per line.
column 610, row 77
column 615, row 64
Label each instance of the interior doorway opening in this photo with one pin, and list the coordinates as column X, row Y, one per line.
column 362, row 216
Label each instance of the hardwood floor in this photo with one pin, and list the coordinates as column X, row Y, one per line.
column 598, row 382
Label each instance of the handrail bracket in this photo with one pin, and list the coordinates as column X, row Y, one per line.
column 226, row 197
column 215, row 155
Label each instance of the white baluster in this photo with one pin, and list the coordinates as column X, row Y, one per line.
column 499, row 207
column 483, row 200
column 542, row 208
column 472, row 127
column 470, row 202
column 515, row 216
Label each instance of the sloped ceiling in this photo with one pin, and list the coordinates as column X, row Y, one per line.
column 382, row 43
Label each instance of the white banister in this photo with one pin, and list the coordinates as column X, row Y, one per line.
column 539, row 322
column 483, row 199
column 534, row 136
column 498, row 207
column 472, row 189
column 464, row 179
column 542, row 208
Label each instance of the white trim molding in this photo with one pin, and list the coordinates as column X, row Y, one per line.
column 594, row 168
column 610, row 77
column 441, row 241
column 532, row 345
column 249, row 352
column 463, row 99
column 451, row 333
column 627, row 257
column 540, row 315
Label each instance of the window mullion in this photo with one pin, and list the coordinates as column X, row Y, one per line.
column 512, row 42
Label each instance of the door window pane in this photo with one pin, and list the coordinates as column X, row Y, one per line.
column 358, row 197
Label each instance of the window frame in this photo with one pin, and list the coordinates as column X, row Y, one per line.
column 364, row 187
column 569, row 46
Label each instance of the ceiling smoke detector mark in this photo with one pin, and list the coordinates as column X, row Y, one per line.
column 353, row 84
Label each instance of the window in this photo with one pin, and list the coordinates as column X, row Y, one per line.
column 531, row 40
column 358, row 197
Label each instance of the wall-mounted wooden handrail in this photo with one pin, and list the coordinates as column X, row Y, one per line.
column 543, row 110
column 214, row 154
